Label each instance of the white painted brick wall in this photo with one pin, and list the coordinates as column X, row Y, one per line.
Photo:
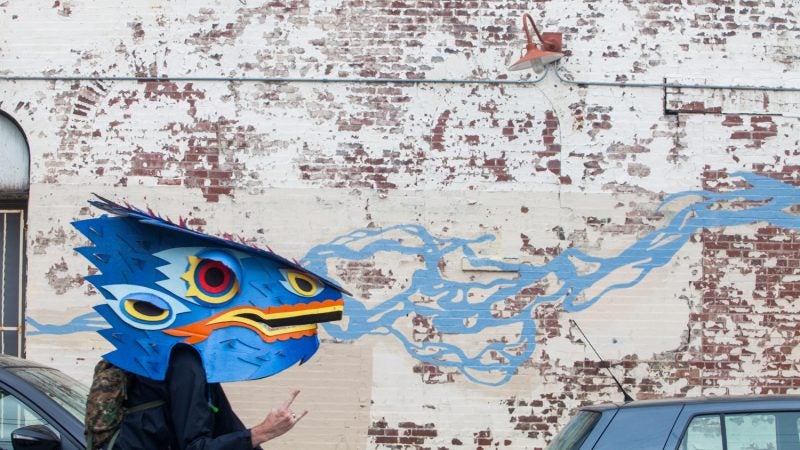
column 540, row 168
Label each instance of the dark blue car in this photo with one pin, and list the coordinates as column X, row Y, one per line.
column 712, row 423
column 40, row 407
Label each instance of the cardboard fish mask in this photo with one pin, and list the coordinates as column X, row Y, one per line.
column 248, row 312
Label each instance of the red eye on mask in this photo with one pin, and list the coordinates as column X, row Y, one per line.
column 210, row 281
column 213, row 277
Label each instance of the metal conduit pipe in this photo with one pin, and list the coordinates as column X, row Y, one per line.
column 396, row 81
column 270, row 79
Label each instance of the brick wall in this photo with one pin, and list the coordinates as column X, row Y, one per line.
column 472, row 216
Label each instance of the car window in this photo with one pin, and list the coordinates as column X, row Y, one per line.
column 762, row 431
column 703, row 433
column 15, row 414
column 576, row 431
column 751, row 432
column 65, row 391
column 744, row 431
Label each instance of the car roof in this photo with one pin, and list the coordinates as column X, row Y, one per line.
column 8, row 362
column 693, row 400
column 39, row 401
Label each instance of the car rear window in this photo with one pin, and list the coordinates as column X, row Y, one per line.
column 575, row 432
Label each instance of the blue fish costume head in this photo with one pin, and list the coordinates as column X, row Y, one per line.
column 248, row 312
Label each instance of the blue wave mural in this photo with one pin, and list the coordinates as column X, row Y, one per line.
column 450, row 313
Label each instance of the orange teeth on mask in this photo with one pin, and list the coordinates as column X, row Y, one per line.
column 278, row 323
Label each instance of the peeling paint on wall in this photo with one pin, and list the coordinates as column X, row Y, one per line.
column 472, row 217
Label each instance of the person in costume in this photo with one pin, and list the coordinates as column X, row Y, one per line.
column 188, row 311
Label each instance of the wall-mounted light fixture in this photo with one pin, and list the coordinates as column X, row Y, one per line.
column 535, row 58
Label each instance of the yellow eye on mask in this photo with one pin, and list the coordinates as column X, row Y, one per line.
column 145, row 308
column 145, row 311
column 300, row 283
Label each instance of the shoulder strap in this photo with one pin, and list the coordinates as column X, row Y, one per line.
column 145, row 406
column 134, row 409
column 113, row 440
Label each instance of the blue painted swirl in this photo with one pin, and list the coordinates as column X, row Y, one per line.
column 766, row 200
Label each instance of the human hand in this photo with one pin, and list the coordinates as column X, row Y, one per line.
column 277, row 422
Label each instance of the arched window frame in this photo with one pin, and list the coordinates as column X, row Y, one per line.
column 13, row 263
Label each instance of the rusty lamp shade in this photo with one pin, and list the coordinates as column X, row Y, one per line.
column 534, row 57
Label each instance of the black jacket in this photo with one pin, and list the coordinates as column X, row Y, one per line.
column 196, row 415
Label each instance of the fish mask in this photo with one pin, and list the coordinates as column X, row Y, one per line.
column 248, row 312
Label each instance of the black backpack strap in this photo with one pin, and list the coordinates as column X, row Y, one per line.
column 113, row 440
column 138, row 408
column 145, row 406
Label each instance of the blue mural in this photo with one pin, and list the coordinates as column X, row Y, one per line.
column 450, row 313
